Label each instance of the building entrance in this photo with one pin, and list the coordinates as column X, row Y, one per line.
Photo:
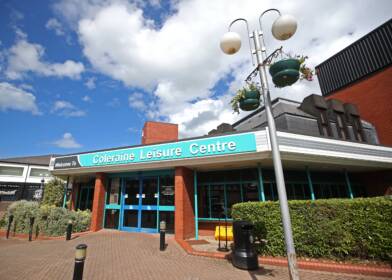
column 139, row 203
column 140, row 200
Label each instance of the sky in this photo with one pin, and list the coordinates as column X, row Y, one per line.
column 80, row 75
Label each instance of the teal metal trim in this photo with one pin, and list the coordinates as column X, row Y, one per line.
column 310, row 184
column 225, row 200
column 261, row 183
column 213, row 219
column 349, row 189
column 65, row 193
column 113, row 206
column 196, row 208
column 227, row 182
column 209, row 200
column 143, row 173
column 166, row 208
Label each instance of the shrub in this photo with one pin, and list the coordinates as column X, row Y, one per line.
column 49, row 220
column 54, row 192
column 337, row 229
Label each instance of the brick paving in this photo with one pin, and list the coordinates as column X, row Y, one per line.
column 121, row 255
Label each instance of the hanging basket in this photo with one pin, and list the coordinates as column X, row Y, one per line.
column 285, row 72
column 251, row 100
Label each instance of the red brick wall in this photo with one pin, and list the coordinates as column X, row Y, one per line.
column 98, row 202
column 154, row 132
column 74, row 196
column 184, row 215
column 373, row 96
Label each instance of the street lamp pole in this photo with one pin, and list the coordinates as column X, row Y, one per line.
column 260, row 52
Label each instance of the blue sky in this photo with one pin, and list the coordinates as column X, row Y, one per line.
column 83, row 75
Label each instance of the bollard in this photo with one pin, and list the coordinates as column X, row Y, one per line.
column 10, row 219
column 69, row 231
column 162, row 231
column 31, row 228
column 80, row 257
column 222, row 249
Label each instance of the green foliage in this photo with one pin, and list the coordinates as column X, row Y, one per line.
column 240, row 95
column 54, row 192
column 338, row 229
column 49, row 220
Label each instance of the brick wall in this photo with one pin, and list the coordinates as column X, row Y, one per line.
column 373, row 96
column 184, row 215
column 155, row 132
column 98, row 202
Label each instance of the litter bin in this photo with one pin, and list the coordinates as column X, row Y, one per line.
column 244, row 255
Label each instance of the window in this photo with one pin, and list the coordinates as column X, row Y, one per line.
column 166, row 190
column 39, row 172
column 323, row 123
column 11, row 171
column 114, row 193
column 357, row 127
column 341, row 126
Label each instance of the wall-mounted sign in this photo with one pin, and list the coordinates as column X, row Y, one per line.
column 212, row 146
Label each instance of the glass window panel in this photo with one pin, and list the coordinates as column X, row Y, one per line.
column 249, row 174
column 114, row 192
column 168, row 217
column 130, row 218
column 270, row 191
column 233, row 196
column 90, row 198
column 83, row 198
column 131, row 193
column 149, row 219
column 111, row 218
column 166, row 190
column 150, row 191
column 233, row 175
column 217, row 201
column 250, row 192
column 290, row 191
column 11, row 171
column 39, row 172
column 203, row 202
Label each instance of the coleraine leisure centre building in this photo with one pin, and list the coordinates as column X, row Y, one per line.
column 327, row 152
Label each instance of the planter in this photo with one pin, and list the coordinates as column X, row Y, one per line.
column 251, row 101
column 285, row 72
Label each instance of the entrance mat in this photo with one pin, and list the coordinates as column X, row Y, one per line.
column 197, row 242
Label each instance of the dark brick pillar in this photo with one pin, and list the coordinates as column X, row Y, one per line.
column 98, row 202
column 74, row 196
column 184, row 196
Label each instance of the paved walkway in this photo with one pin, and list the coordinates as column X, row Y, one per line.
column 121, row 255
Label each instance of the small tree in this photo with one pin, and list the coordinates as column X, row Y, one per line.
column 54, row 192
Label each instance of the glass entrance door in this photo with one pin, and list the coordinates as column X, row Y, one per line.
column 140, row 200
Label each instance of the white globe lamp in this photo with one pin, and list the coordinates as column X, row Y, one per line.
column 284, row 27
column 230, row 42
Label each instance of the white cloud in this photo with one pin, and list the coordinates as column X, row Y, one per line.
column 136, row 101
column 90, row 83
column 86, row 98
column 180, row 63
column 26, row 57
column 67, row 142
column 56, row 26
column 67, row 109
column 13, row 98
column 115, row 102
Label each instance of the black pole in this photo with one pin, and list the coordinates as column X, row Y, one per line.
column 219, row 245
column 31, row 228
column 162, row 240
column 80, row 257
column 162, row 233
column 226, row 232
column 10, row 219
column 69, row 232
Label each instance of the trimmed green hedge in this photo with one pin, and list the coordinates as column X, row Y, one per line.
column 54, row 193
column 338, row 229
column 49, row 220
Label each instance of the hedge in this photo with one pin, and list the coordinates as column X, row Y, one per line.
column 339, row 229
column 49, row 220
column 54, row 192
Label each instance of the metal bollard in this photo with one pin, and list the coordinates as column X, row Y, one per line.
column 69, row 231
column 80, row 257
column 162, row 231
column 10, row 219
column 31, row 228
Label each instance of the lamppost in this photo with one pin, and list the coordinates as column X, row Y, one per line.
column 42, row 185
column 282, row 29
